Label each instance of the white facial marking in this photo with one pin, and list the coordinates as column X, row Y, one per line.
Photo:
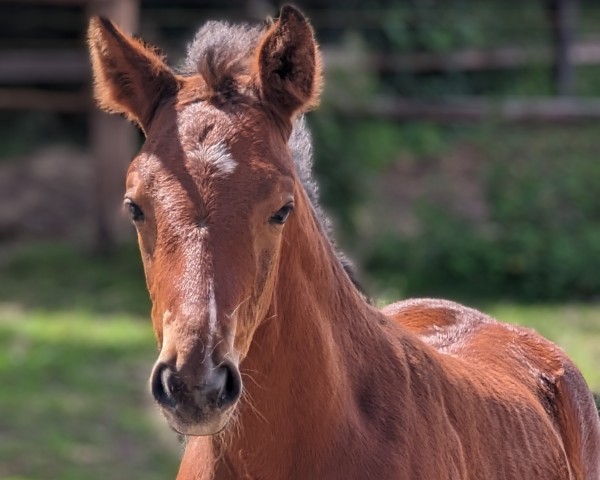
column 212, row 311
column 189, row 309
column 217, row 155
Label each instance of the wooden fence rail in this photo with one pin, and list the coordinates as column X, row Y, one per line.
column 583, row 53
column 475, row 109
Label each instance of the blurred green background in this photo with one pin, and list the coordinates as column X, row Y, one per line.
column 456, row 149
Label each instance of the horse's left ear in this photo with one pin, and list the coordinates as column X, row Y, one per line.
column 289, row 64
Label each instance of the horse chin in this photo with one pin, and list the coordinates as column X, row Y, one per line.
column 199, row 428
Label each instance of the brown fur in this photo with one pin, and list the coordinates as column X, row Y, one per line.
column 333, row 388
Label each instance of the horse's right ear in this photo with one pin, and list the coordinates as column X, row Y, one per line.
column 129, row 77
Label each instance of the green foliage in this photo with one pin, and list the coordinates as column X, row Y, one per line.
column 588, row 80
column 349, row 153
column 23, row 132
column 441, row 26
column 541, row 239
column 541, row 235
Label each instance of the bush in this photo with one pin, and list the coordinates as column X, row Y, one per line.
column 541, row 237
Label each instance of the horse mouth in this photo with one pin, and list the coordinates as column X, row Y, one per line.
column 199, row 422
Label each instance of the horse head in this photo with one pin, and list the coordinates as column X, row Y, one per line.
column 210, row 193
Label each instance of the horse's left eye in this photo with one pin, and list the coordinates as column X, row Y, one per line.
column 279, row 217
column 134, row 210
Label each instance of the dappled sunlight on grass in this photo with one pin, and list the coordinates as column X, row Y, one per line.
column 84, row 328
column 59, row 277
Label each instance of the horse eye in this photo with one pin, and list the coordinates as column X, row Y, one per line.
column 134, row 210
column 279, row 217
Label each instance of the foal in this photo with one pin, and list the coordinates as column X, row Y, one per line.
column 271, row 362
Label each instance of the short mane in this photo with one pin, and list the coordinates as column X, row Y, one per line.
column 220, row 52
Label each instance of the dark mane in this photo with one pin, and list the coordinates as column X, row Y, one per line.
column 220, row 52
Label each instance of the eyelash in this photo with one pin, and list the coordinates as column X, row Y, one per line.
column 279, row 217
column 137, row 215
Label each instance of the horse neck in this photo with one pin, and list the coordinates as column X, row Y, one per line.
column 312, row 294
column 301, row 370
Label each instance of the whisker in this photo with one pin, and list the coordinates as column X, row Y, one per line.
column 248, row 399
column 213, row 349
column 238, row 307
column 249, row 371
column 250, row 377
column 222, row 361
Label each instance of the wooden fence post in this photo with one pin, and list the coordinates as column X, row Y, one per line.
column 113, row 142
column 562, row 15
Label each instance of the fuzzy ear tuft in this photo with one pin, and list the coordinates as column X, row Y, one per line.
column 289, row 64
column 130, row 78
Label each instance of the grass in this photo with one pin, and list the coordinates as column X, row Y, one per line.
column 75, row 355
column 76, row 349
column 61, row 277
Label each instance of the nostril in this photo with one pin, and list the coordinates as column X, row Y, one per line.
column 162, row 385
column 231, row 385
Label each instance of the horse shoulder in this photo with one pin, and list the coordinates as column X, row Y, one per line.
column 535, row 365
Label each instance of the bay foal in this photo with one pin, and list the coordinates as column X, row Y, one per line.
column 271, row 362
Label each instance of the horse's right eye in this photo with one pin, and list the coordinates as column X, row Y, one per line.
column 134, row 210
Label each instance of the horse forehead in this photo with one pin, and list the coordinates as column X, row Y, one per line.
column 195, row 121
column 201, row 148
column 204, row 134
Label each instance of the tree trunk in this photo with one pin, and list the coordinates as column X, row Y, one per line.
column 113, row 142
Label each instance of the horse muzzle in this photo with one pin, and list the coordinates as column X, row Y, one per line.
column 200, row 407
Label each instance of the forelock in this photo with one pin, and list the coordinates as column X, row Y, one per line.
column 221, row 53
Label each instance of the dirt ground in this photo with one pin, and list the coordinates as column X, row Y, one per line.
column 46, row 194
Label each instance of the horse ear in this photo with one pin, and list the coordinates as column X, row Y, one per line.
column 289, row 63
column 129, row 77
